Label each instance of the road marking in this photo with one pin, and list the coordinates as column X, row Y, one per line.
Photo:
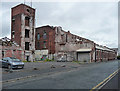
column 101, row 84
column 30, row 76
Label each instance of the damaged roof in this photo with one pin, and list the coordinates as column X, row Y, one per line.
column 7, row 42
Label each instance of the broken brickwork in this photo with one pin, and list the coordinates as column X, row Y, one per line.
column 50, row 42
column 23, row 29
column 10, row 49
column 62, row 45
column 67, row 43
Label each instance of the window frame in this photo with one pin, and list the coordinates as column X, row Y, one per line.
column 27, row 35
column 38, row 36
column 44, row 35
column 27, row 48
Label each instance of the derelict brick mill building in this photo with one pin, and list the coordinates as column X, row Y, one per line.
column 55, row 43
column 23, row 29
column 52, row 42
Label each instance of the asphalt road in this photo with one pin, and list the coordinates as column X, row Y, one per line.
column 83, row 77
column 42, row 68
column 113, row 84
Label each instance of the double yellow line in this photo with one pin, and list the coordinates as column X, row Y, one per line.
column 101, row 84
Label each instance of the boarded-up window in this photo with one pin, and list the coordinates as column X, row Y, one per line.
column 26, row 45
column 27, row 19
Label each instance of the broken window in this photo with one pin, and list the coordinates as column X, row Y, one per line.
column 38, row 45
column 44, row 35
column 27, row 19
column 13, row 21
column 13, row 34
column 38, row 36
column 26, row 33
column 44, row 44
column 28, row 10
column 26, row 45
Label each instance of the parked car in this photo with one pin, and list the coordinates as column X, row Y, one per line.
column 1, row 60
column 11, row 62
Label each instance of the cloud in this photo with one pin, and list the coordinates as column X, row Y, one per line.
column 95, row 21
column 6, row 18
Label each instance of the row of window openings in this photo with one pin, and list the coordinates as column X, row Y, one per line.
column 38, row 35
column 38, row 45
column 44, row 36
column 27, row 44
column 27, row 21
column 26, row 34
column 44, row 44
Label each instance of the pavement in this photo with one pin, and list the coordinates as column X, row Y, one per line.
column 67, row 75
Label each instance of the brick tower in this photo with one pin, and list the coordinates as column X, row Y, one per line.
column 23, row 29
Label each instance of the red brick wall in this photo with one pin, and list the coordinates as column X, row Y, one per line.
column 104, row 55
column 8, row 53
column 16, row 14
column 50, row 39
column 21, row 8
column 17, row 54
column 12, row 51
column 17, row 28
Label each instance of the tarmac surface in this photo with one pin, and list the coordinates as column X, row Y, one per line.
column 60, row 75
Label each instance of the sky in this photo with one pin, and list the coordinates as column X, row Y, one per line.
column 97, row 21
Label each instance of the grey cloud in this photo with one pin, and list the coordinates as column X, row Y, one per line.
column 93, row 21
